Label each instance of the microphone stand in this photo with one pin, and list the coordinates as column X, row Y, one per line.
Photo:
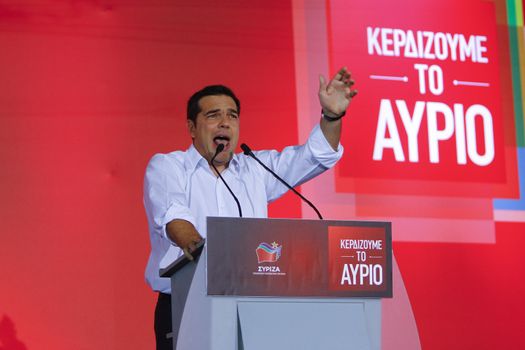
column 247, row 151
column 219, row 149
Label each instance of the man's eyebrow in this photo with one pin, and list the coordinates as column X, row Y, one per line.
column 212, row 111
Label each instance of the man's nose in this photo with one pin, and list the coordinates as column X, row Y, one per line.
column 224, row 122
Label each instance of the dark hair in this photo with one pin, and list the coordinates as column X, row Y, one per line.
column 211, row 90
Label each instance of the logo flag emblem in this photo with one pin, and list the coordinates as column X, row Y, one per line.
column 268, row 253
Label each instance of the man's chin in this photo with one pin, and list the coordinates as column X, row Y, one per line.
column 223, row 159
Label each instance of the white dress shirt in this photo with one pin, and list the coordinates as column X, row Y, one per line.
column 181, row 185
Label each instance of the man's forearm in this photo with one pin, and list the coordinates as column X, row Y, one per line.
column 331, row 131
column 183, row 234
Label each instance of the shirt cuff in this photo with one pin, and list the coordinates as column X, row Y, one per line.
column 321, row 149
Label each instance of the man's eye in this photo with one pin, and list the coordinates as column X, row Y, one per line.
column 234, row 116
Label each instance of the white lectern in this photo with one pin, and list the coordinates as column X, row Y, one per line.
column 283, row 284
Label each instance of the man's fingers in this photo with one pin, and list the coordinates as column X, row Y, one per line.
column 190, row 249
column 192, row 246
column 188, row 254
column 352, row 93
column 342, row 75
column 341, row 83
column 349, row 82
column 322, row 83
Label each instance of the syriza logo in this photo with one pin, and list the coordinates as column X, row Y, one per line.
column 268, row 253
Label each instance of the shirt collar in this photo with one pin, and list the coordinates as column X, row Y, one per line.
column 195, row 158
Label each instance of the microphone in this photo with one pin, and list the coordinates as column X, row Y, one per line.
column 219, row 149
column 247, row 151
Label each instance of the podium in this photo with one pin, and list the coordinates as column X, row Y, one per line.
column 283, row 284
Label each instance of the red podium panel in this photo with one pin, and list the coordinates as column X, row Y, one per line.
column 306, row 258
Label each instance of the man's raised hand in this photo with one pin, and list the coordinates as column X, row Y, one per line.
column 335, row 95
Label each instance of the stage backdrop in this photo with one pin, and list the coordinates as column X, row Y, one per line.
column 434, row 142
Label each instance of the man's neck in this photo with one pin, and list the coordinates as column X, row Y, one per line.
column 219, row 167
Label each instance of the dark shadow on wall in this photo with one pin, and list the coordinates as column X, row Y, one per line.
column 8, row 339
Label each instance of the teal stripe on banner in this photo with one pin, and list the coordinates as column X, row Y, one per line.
column 516, row 86
column 511, row 13
column 513, row 21
column 516, row 204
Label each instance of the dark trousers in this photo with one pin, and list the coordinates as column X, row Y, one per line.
column 163, row 322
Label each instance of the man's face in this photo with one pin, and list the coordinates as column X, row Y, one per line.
column 217, row 122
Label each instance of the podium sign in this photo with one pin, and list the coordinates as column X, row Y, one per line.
column 305, row 258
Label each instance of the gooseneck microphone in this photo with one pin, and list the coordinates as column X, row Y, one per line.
column 219, row 149
column 247, row 151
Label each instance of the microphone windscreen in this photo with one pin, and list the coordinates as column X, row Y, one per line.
column 246, row 149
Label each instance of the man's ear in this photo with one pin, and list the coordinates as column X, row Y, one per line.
column 191, row 127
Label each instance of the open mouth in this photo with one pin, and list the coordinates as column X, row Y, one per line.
column 221, row 139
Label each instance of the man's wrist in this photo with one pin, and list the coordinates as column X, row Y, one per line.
column 331, row 117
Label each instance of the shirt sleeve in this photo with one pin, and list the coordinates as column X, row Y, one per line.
column 321, row 149
column 164, row 193
column 298, row 164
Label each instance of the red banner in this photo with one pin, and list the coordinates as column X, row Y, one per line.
column 430, row 103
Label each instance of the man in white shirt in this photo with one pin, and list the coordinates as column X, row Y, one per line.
column 181, row 188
